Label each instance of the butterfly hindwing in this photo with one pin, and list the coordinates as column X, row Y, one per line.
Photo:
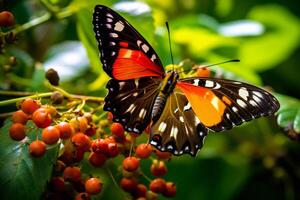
column 131, row 101
column 178, row 130
column 125, row 54
column 221, row 104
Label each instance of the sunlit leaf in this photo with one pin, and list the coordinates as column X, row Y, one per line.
column 23, row 176
column 289, row 112
column 281, row 38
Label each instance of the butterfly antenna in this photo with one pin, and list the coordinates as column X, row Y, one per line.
column 169, row 36
column 228, row 61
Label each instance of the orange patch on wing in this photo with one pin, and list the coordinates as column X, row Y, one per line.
column 226, row 100
column 131, row 64
column 123, row 44
column 206, row 105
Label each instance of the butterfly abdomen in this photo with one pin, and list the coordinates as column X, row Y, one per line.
column 158, row 106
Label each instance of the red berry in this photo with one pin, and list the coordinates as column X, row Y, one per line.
column 17, row 131
column 37, row 148
column 65, row 130
column 203, row 72
column 82, row 196
column 157, row 185
column 143, row 150
column 50, row 135
column 7, row 19
column 29, row 106
column 93, row 186
column 57, row 184
column 100, row 146
column 131, row 164
column 170, row 190
column 128, row 184
column 97, row 159
column 113, row 150
column 140, row 191
column 91, row 130
column 19, row 117
column 72, row 174
column 163, row 155
column 117, row 130
column 41, row 118
column 158, row 168
column 81, row 141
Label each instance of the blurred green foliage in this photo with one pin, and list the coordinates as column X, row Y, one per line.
column 254, row 161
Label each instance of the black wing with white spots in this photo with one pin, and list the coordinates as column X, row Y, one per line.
column 178, row 130
column 131, row 102
column 113, row 32
column 243, row 102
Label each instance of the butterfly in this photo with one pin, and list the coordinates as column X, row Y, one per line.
column 180, row 112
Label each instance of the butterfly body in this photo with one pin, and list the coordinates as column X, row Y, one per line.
column 179, row 111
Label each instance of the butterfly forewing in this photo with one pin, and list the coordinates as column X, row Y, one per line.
column 178, row 130
column 221, row 104
column 124, row 53
column 131, row 101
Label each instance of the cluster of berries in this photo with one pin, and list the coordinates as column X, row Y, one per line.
column 77, row 134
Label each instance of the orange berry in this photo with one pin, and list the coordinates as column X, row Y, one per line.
column 203, row 72
column 131, row 164
column 83, row 124
column 72, row 174
column 7, row 19
column 65, row 130
column 97, row 159
column 157, row 185
column 113, row 150
column 29, row 106
column 37, row 148
column 140, row 191
column 81, row 141
column 50, row 135
column 128, row 184
column 109, row 116
column 170, row 190
column 17, row 131
column 93, row 186
column 41, row 118
column 158, row 168
column 19, row 117
column 117, row 130
column 143, row 150
column 100, row 146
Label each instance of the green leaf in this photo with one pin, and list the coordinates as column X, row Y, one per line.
column 23, row 176
column 289, row 112
column 279, row 41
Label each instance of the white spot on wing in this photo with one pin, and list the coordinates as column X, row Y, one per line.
column 243, row 92
column 145, row 48
column 187, row 107
column 258, row 94
column 241, row 103
column 114, row 35
column 153, row 57
column 119, row 26
column 131, row 108
column 109, row 15
column 196, row 82
column 209, row 83
column 234, row 109
column 162, row 127
column 228, row 116
column 108, row 26
column 218, row 86
column 181, row 119
column 142, row 113
column 256, row 99
column 174, row 132
column 109, row 20
column 138, row 42
column 253, row 103
column 136, row 82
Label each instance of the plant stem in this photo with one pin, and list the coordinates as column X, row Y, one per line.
column 15, row 93
column 15, row 100
column 32, row 23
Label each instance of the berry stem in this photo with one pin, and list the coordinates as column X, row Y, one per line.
column 145, row 176
column 15, row 100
